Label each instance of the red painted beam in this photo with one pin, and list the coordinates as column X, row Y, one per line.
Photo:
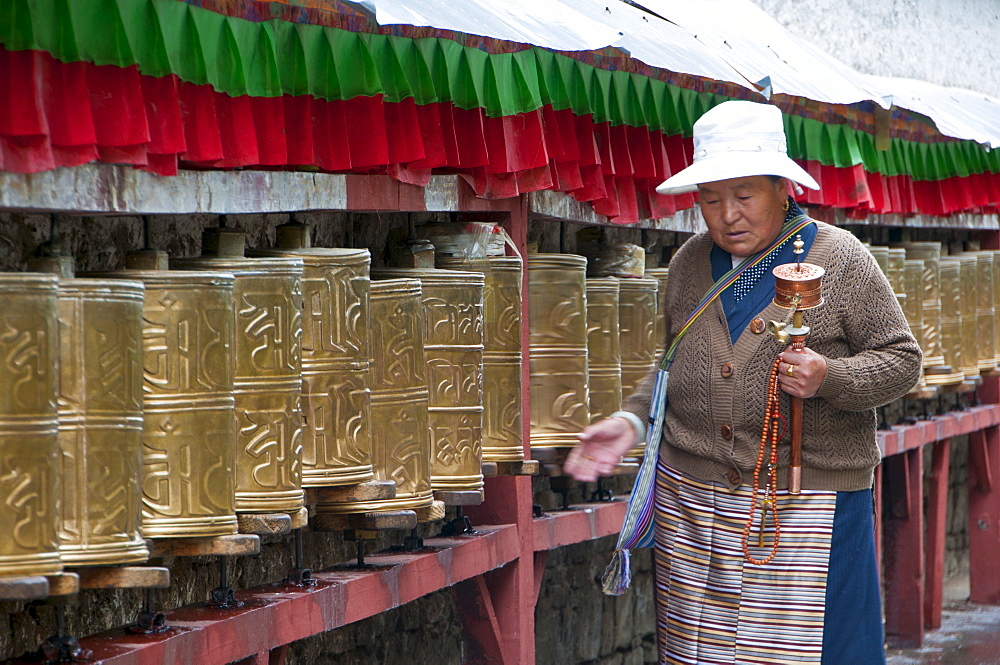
column 901, row 438
column 903, row 544
column 984, row 516
column 937, row 522
column 582, row 522
column 276, row 615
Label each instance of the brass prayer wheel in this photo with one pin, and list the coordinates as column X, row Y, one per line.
column 28, row 425
column 336, row 439
column 502, row 436
column 660, row 329
column 557, row 305
column 914, row 306
column 637, row 304
column 881, row 255
column 968, row 267
column 267, row 380
column 951, row 322
column 400, row 439
column 930, row 254
column 996, row 304
column 100, row 421
column 189, row 427
column 897, row 269
column 604, row 371
column 985, row 333
column 453, row 359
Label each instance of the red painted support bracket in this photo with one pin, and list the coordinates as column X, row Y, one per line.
column 479, row 619
column 904, row 541
column 984, row 516
column 276, row 615
column 582, row 522
column 937, row 522
column 911, row 437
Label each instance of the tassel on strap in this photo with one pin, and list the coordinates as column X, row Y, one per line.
column 618, row 575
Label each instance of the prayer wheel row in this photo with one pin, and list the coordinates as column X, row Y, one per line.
column 591, row 341
column 168, row 400
column 950, row 304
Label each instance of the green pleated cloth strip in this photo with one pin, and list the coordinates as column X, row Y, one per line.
column 273, row 58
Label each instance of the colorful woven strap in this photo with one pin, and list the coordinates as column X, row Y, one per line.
column 791, row 227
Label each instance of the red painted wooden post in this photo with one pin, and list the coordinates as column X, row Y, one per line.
column 937, row 522
column 904, row 561
column 984, row 516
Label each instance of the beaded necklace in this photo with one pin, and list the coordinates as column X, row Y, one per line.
column 770, row 434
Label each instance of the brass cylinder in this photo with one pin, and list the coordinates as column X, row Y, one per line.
column 502, row 435
column 453, row 359
column 914, row 310
column 996, row 304
column 604, row 368
column 100, row 421
column 637, row 299
column 336, row 438
column 189, row 426
column 29, row 336
column 881, row 254
column 799, row 285
column 897, row 269
column 660, row 328
column 400, row 438
column 557, row 306
column 267, row 381
column 951, row 319
column 968, row 268
column 930, row 254
column 985, row 314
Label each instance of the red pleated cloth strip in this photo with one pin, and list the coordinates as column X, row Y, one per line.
column 54, row 114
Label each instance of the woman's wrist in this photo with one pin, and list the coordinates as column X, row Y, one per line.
column 638, row 426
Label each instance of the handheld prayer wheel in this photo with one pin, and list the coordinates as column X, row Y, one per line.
column 400, row 438
column 557, row 305
column 604, row 372
column 985, row 313
column 267, row 380
column 797, row 287
column 502, row 437
column 660, row 328
column 968, row 268
column 28, row 425
column 189, row 428
column 100, row 421
column 453, row 359
column 930, row 254
column 336, row 440
column 951, row 322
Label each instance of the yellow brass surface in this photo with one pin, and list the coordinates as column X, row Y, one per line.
column 970, row 320
column 28, row 425
column 951, row 317
column 985, row 333
column 557, row 303
column 400, row 436
column 637, row 300
column 453, row 357
column 897, row 269
column 100, row 421
column 881, row 255
column 267, row 380
column 660, row 331
column 502, row 436
column 996, row 304
column 930, row 254
column 189, row 435
column 336, row 440
column 914, row 310
column 604, row 369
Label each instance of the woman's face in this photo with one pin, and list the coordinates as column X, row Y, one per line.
column 743, row 214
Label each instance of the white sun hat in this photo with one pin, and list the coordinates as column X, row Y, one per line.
column 737, row 139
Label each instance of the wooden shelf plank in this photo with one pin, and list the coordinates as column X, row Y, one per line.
column 901, row 438
column 582, row 522
column 276, row 614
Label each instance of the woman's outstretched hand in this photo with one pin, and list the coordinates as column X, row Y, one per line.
column 601, row 448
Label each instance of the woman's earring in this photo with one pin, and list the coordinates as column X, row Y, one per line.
column 786, row 205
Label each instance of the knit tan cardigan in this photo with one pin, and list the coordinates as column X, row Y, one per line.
column 872, row 359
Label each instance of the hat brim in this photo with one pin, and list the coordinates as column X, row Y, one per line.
column 735, row 165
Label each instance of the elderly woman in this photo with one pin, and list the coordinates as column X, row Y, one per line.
column 749, row 574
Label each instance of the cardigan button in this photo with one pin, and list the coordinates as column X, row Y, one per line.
column 733, row 477
column 726, row 370
column 727, row 432
column 757, row 326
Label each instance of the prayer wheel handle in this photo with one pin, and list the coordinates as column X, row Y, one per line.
column 797, row 286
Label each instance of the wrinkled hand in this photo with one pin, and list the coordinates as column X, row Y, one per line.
column 601, row 448
column 808, row 372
